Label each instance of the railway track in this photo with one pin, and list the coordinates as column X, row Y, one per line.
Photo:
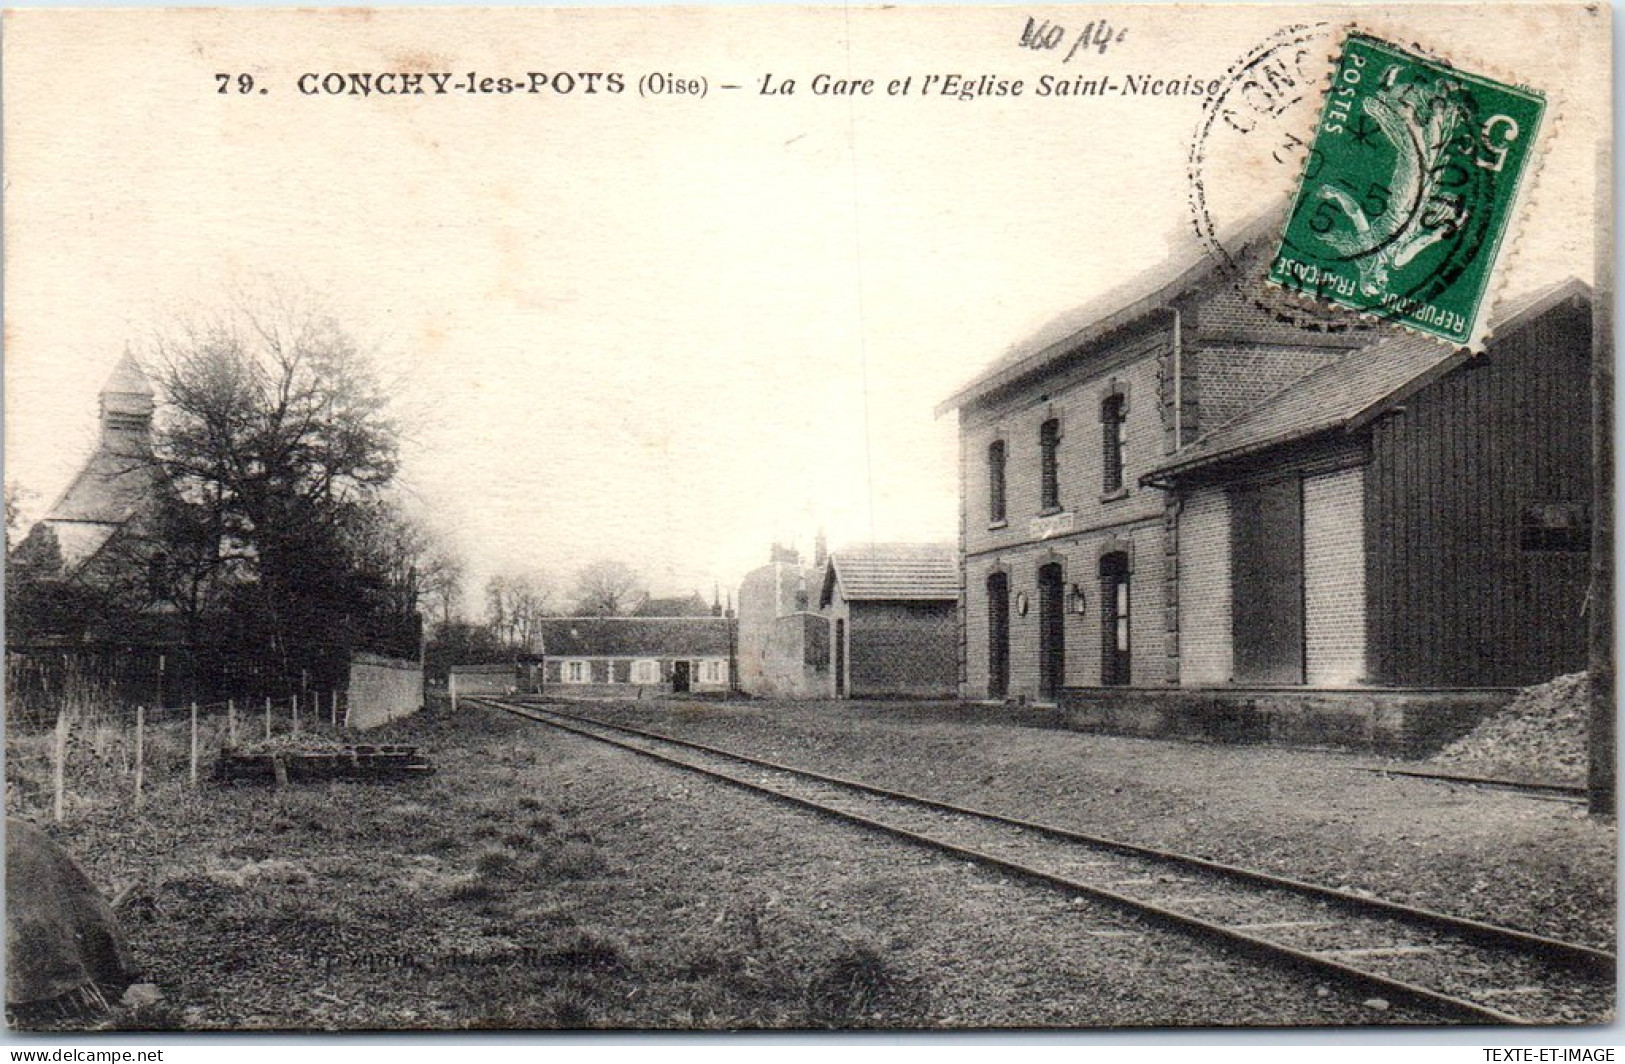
column 1458, row 969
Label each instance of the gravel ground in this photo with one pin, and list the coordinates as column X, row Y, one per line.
column 1536, row 864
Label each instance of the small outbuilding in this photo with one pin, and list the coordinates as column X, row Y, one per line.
column 892, row 610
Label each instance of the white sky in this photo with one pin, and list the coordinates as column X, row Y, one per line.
column 663, row 330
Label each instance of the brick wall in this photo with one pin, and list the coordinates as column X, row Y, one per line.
column 1204, row 588
column 1079, row 557
column 1334, row 578
column 1232, row 377
column 904, row 648
column 1229, row 310
column 1077, row 405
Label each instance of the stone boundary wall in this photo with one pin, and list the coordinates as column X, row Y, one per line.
column 382, row 689
column 462, row 680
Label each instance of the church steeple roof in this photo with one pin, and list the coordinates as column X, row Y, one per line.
column 127, row 379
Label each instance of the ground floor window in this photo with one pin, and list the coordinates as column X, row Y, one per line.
column 713, row 672
column 645, row 672
column 575, row 672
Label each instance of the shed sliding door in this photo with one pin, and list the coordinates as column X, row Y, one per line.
column 1266, row 539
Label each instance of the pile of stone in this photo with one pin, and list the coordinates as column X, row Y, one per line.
column 1540, row 736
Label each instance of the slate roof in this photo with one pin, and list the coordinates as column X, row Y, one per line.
column 107, row 490
column 127, row 379
column 1100, row 317
column 632, row 637
column 114, row 483
column 1348, row 393
column 894, row 571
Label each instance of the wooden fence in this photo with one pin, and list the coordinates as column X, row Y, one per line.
column 136, row 749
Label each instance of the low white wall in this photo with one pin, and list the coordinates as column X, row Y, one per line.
column 382, row 689
column 464, row 680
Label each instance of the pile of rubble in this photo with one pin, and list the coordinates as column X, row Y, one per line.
column 1539, row 736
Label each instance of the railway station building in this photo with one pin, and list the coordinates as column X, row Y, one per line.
column 1180, row 487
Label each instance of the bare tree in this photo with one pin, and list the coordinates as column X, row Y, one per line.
column 441, row 580
column 608, row 588
column 515, row 603
column 275, row 432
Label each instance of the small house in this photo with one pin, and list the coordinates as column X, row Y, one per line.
column 617, row 657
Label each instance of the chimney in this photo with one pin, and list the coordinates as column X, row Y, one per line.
column 820, row 551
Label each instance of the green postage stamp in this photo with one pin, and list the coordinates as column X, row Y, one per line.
column 1408, row 190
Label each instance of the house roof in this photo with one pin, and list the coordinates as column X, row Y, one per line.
column 632, row 637
column 1348, row 393
column 1119, row 308
column 896, row 571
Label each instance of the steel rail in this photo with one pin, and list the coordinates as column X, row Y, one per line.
column 1586, row 957
column 1447, row 1004
column 1567, row 790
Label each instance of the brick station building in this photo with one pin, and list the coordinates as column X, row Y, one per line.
column 1180, row 488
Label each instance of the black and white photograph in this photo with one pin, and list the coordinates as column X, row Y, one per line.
column 1075, row 518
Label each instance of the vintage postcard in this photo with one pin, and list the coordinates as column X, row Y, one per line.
column 813, row 518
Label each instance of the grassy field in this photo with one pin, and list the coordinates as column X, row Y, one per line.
column 475, row 898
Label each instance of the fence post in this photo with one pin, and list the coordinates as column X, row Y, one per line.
column 193, row 771
column 333, row 700
column 59, row 769
column 140, row 751
column 267, row 717
column 231, row 722
column 296, row 714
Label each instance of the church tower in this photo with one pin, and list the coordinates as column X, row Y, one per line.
column 126, row 409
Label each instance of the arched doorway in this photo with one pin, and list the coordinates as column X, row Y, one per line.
column 1051, row 632
column 998, row 635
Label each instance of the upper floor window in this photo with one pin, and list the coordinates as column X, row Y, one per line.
column 995, row 481
column 1113, row 426
column 1049, row 451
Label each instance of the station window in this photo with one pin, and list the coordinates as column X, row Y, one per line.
column 995, row 481
column 1049, row 452
column 1113, row 424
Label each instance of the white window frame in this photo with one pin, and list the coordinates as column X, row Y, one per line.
column 645, row 671
column 576, row 671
